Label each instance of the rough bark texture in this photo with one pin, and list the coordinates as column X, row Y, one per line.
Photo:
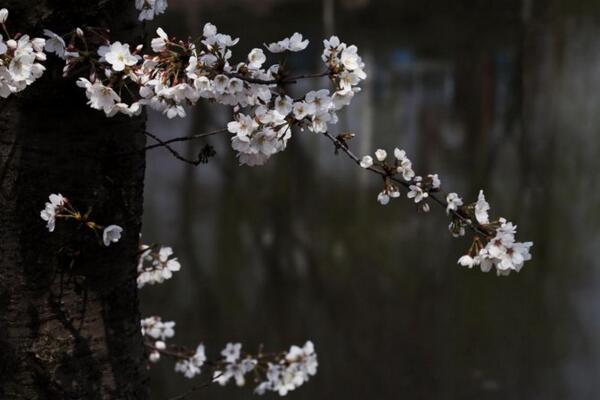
column 69, row 316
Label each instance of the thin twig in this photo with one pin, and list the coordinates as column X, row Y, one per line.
column 172, row 151
column 344, row 147
column 195, row 388
column 283, row 81
column 163, row 143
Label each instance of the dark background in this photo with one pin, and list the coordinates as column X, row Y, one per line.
column 500, row 95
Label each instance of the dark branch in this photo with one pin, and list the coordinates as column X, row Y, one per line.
column 341, row 145
column 164, row 143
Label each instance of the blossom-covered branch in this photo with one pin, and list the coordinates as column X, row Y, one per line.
column 178, row 73
column 277, row 372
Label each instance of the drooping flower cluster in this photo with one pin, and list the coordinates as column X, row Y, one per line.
column 60, row 207
column 20, row 58
column 156, row 266
column 150, row 8
column 494, row 245
column 498, row 248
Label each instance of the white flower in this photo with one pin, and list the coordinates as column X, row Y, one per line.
column 417, row 193
column 466, row 261
column 155, row 328
column 481, row 209
column 117, row 55
column 111, row 234
column 20, row 67
column 366, row 162
column 383, row 198
column 159, row 44
column 435, row 181
column 381, row 155
column 293, row 43
column 302, row 109
column 319, row 122
column 156, row 267
column 283, row 105
column 256, row 58
column 220, row 83
column 209, row 30
column 350, row 59
column 453, row 202
column 154, row 357
column 150, row 8
column 54, row 44
column 243, row 127
column 3, row 15
column 231, row 352
column 52, row 208
column 100, row 97
column 320, row 99
column 300, row 363
column 296, row 43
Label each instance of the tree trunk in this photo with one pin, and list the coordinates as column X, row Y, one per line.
column 69, row 315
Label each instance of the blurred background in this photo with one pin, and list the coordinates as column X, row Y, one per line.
column 500, row 95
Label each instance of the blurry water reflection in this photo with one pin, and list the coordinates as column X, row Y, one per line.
column 501, row 96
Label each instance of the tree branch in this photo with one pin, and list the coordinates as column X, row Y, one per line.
column 164, row 143
column 344, row 147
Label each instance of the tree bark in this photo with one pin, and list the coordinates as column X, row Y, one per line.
column 69, row 315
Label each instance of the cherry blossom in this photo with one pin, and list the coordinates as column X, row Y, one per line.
column 54, row 207
column 54, row 44
column 156, row 266
column 111, row 234
column 118, row 56
column 20, row 61
column 294, row 43
column 150, row 8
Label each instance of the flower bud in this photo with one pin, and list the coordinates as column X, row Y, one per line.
column 3, row 15
column 154, row 356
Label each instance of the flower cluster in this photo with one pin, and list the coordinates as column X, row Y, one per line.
column 294, row 43
column 191, row 366
column 292, row 370
column 156, row 266
column 276, row 372
column 494, row 246
column 20, row 58
column 53, row 208
column 60, row 207
column 498, row 249
column 150, row 8
column 400, row 172
column 233, row 366
column 178, row 73
column 157, row 332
